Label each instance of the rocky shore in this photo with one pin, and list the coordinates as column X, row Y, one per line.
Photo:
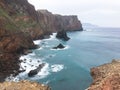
column 106, row 77
column 20, row 24
column 23, row 85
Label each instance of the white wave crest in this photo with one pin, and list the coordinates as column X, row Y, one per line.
column 37, row 42
column 57, row 68
column 53, row 36
column 44, row 71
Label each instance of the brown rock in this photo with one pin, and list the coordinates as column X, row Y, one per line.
column 54, row 22
column 19, row 25
column 23, row 85
column 106, row 77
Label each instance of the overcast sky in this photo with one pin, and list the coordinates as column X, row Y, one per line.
column 98, row 12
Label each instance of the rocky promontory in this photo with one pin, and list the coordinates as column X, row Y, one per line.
column 55, row 22
column 23, row 85
column 106, row 77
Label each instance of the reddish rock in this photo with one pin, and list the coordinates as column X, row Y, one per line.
column 15, row 43
column 20, row 24
column 106, row 77
column 54, row 22
column 23, row 85
column 11, row 46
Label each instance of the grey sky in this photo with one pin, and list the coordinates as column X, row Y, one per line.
column 98, row 12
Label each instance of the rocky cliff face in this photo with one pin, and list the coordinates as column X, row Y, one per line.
column 23, row 85
column 68, row 23
column 23, row 15
column 53, row 22
column 38, row 23
column 19, row 25
column 106, row 77
column 13, row 41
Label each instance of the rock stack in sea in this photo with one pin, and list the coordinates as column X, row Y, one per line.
column 62, row 35
column 106, row 77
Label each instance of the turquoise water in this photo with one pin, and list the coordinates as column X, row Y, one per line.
column 84, row 50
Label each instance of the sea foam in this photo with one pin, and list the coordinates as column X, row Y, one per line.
column 56, row 67
column 37, row 42
column 52, row 37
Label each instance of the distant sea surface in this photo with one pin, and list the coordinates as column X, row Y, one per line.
column 69, row 68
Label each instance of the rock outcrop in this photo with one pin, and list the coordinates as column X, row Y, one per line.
column 60, row 46
column 23, row 85
column 106, row 77
column 35, row 71
column 62, row 35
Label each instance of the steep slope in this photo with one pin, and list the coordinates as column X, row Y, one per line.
column 54, row 22
column 13, row 42
column 20, row 23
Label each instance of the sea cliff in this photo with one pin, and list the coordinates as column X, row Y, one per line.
column 55, row 22
column 20, row 24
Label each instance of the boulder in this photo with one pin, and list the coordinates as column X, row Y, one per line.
column 60, row 46
column 62, row 35
column 35, row 71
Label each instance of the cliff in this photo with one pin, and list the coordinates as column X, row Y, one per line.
column 13, row 41
column 37, row 23
column 54, row 22
column 23, row 85
column 106, row 77
column 20, row 23
column 23, row 15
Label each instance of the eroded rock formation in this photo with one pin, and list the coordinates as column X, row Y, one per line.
column 60, row 46
column 106, row 77
column 62, row 35
column 35, row 71
column 54, row 22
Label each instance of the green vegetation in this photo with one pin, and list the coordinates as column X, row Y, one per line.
column 12, row 25
column 8, row 22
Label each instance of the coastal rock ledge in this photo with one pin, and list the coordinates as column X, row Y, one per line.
column 106, row 77
column 23, row 85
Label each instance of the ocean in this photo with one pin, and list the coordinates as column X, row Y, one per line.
column 69, row 68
